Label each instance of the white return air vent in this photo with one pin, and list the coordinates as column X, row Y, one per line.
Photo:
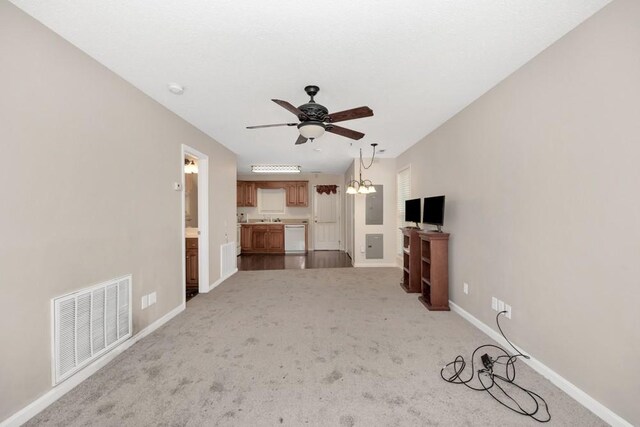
column 89, row 323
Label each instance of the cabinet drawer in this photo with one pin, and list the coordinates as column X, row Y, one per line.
column 192, row 242
column 276, row 227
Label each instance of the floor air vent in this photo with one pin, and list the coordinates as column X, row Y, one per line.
column 89, row 323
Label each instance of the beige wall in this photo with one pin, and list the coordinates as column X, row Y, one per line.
column 382, row 172
column 88, row 164
column 542, row 181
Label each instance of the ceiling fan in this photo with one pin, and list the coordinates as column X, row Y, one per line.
column 315, row 118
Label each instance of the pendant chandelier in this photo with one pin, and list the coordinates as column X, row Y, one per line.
column 363, row 186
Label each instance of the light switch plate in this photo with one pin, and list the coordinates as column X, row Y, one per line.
column 145, row 301
column 500, row 305
column 494, row 303
column 507, row 308
column 152, row 298
column 466, row 288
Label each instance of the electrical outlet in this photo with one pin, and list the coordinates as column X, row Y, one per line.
column 152, row 298
column 494, row 303
column 466, row 288
column 500, row 305
column 507, row 308
column 145, row 301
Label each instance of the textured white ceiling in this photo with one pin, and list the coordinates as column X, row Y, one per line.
column 415, row 63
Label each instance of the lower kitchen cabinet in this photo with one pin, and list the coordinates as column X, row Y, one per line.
column 276, row 238
column 262, row 238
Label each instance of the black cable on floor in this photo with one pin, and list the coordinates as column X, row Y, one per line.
column 494, row 383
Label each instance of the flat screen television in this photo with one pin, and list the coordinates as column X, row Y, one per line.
column 412, row 211
column 433, row 212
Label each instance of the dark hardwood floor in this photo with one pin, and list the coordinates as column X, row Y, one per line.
column 312, row 259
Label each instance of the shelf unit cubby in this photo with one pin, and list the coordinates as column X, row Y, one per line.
column 434, row 270
column 411, row 260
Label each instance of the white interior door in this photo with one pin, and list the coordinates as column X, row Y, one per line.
column 326, row 218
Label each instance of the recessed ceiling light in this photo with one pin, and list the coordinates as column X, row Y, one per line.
column 317, row 149
column 275, row 169
column 175, row 88
column 381, row 151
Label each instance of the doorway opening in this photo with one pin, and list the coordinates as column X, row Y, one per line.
column 326, row 218
column 195, row 222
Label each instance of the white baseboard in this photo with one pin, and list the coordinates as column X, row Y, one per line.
column 375, row 264
column 38, row 405
column 222, row 279
column 562, row 383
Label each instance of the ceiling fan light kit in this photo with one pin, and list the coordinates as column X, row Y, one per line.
column 315, row 118
column 311, row 129
column 363, row 186
column 275, row 169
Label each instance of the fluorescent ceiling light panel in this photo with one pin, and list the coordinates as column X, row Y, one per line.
column 275, row 169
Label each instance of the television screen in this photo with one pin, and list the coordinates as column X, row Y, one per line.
column 412, row 210
column 433, row 212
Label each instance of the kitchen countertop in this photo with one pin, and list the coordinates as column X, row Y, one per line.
column 283, row 222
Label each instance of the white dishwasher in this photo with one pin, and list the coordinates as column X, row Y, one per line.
column 294, row 238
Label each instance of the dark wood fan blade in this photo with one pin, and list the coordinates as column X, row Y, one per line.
column 344, row 132
column 289, row 107
column 354, row 113
column 271, row 126
column 301, row 140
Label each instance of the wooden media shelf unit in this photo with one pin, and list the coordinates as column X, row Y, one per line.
column 434, row 270
column 411, row 260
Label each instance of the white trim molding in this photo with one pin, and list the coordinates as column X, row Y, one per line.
column 559, row 381
column 375, row 264
column 222, row 279
column 38, row 405
column 203, row 218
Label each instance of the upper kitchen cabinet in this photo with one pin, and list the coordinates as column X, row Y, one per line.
column 298, row 194
column 246, row 194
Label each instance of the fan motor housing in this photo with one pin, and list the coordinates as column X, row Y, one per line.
column 313, row 111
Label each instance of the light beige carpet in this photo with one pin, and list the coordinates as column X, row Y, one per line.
column 324, row 347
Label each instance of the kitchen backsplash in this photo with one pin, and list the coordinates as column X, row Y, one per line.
column 250, row 214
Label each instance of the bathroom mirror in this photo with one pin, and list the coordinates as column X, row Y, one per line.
column 191, row 200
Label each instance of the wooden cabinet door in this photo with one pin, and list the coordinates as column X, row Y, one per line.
column 245, row 238
column 292, row 195
column 276, row 238
column 259, row 238
column 302, row 194
column 250, row 196
column 240, row 194
column 192, row 267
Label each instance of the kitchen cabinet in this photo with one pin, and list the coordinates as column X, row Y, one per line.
column 245, row 237
column 262, row 238
column 191, row 263
column 259, row 238
column 246, row 194
column 297, row 194
column 276, row 238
